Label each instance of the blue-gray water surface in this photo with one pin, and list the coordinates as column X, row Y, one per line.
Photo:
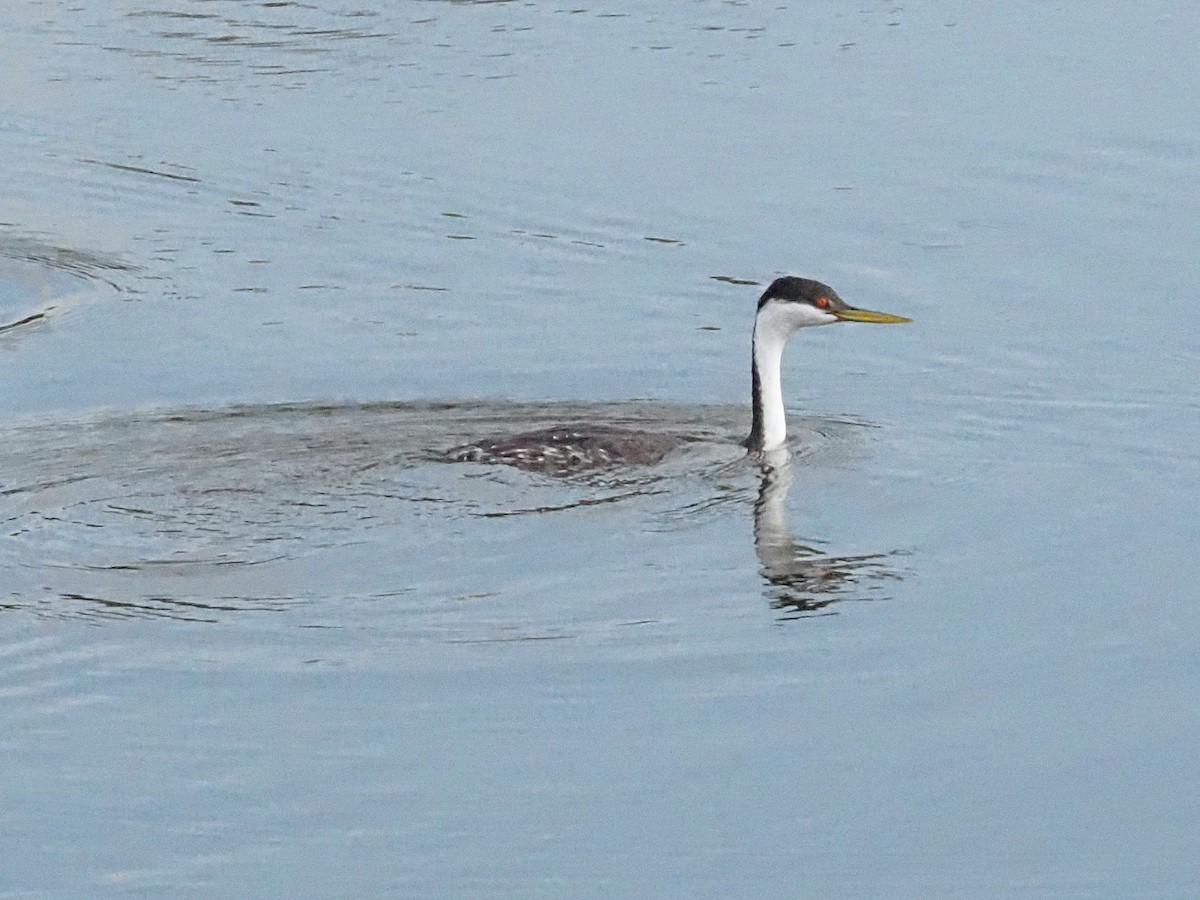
column 262, row 263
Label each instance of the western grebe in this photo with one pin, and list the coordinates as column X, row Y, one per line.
column 790, row 303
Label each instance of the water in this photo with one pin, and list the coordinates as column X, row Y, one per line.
column 261, row 263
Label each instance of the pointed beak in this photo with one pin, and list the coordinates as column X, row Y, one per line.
column 850, row 314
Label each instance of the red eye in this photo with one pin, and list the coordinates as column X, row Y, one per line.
column 822, row 303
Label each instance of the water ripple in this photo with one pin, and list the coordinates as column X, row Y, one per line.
column 199, row 514
column 40, row 278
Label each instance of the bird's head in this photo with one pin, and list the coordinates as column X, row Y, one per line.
column 791, row 303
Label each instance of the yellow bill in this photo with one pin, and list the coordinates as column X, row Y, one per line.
column 850, row 314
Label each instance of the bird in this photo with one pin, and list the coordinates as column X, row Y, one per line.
column 787, row 305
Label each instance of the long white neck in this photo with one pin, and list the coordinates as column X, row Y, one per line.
column 769, row 426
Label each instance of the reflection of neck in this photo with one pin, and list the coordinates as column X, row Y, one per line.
column 803, row 579
column 773, row 540
column 768, row 428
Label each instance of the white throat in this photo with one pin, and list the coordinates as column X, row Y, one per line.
column 771, row 332
column 773, row 326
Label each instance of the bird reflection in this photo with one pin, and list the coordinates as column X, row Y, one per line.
column 802, row 580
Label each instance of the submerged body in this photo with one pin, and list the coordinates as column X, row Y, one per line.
column 566, row 449
column 790, row 303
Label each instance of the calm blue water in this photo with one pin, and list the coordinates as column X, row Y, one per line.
column 260, row 263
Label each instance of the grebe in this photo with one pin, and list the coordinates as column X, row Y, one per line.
column 790, row 303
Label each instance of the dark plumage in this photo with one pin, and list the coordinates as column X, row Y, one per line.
column 569, row 448
column 794, row 289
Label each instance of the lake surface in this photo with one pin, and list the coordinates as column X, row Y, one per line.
column 261, row 264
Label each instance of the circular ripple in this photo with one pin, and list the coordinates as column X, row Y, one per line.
column 39, row 279
column 255, row 508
